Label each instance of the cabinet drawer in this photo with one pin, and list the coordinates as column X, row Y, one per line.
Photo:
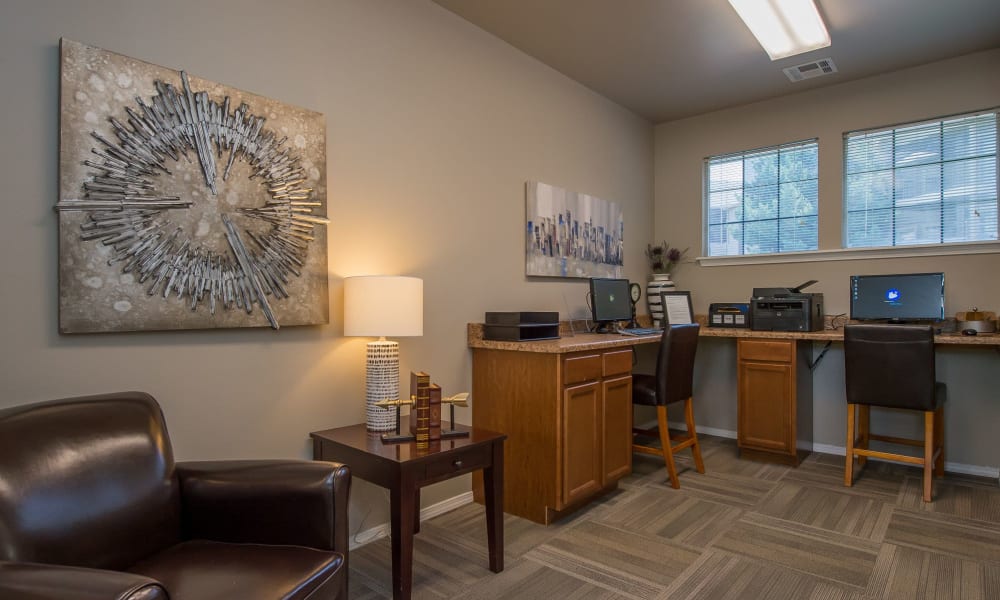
column 618, row 362
column 577, row 369
column 773, row 351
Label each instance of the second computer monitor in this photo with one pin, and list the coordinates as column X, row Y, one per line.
column 609, row 301
column 898, row 297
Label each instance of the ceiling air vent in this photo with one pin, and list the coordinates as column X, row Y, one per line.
column 823, row 66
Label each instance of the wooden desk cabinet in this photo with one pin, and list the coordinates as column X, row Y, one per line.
column 774, row 390
column 556, row 400
column 568, row 418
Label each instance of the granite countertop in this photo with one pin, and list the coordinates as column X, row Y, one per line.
column 573, row 341
column 569, row 342
column 957, row 339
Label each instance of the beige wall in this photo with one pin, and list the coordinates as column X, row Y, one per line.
column 433, row 128
column 948, row 87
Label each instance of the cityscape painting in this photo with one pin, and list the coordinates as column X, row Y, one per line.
column 570, row 234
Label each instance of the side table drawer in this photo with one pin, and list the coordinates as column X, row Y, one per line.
column 456, row 463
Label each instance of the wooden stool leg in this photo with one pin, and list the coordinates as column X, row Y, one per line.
column 699, row 464
column 668, row 453
column 849, row 463
column 928, row 452
column 939, row 441
column 864, row 424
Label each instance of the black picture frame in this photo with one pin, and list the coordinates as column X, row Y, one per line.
column 670, row 301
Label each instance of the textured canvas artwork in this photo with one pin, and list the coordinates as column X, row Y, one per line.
column 185, row 203
column 571, row 234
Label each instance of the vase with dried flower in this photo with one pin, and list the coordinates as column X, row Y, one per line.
column 662, row 260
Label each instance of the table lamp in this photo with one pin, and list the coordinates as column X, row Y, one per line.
column 383, row 306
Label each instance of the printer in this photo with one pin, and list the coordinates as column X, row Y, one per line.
column 786, row 309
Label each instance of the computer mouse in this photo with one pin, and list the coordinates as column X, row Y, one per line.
column 969, row 332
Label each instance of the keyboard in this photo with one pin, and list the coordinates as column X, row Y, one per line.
column 640, row 331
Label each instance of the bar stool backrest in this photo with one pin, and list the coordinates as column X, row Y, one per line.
column 675, row 363
column 890, row 365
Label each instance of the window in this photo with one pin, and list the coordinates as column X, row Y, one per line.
column 762, row 201
column 932, row 182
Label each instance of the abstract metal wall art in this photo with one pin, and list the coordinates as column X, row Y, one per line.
column 571, row 234
column 185, row 204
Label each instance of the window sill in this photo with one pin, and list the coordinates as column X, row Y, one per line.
column 992, row 247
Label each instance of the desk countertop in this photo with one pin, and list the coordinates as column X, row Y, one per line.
column 603, row 341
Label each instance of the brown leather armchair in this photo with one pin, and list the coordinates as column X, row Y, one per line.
column 93, row 506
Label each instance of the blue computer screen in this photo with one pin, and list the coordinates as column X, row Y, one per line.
column 899, row 297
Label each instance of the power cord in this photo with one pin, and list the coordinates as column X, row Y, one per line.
column 376, row 533
column 569, row 316
column 837, row 322
column 590, row 308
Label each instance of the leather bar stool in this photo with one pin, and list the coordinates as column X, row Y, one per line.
column 893, row 366
column 671, row 383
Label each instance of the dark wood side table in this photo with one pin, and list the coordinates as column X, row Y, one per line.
column 403, row 469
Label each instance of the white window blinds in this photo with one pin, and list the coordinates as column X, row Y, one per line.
column 933, row 182
column 762, row 201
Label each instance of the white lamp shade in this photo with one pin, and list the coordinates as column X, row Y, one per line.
column 382, row 305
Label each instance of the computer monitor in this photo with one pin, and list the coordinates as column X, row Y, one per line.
column 609, row 302
column 897, row 298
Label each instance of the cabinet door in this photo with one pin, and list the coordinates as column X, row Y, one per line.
column 766, row 405
column 581, row 447
column 617, row 428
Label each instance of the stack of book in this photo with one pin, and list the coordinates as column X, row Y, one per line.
column 425, row 417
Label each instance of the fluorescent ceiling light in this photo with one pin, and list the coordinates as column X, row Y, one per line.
column 784, row 27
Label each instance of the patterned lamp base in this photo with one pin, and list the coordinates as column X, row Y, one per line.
column 381, row 383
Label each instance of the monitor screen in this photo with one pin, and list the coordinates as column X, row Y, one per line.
column 609, row 300
column 902, row 297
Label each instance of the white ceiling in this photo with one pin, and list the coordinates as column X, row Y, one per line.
column 669, row 59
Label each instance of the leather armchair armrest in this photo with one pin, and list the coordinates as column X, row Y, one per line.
column 36, row 581
column 297, row 502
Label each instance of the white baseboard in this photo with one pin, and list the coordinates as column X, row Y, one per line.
column 429, row 512
column 951, row 467
column 722, row 433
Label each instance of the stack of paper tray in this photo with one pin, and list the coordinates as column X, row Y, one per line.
column 521, row 326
